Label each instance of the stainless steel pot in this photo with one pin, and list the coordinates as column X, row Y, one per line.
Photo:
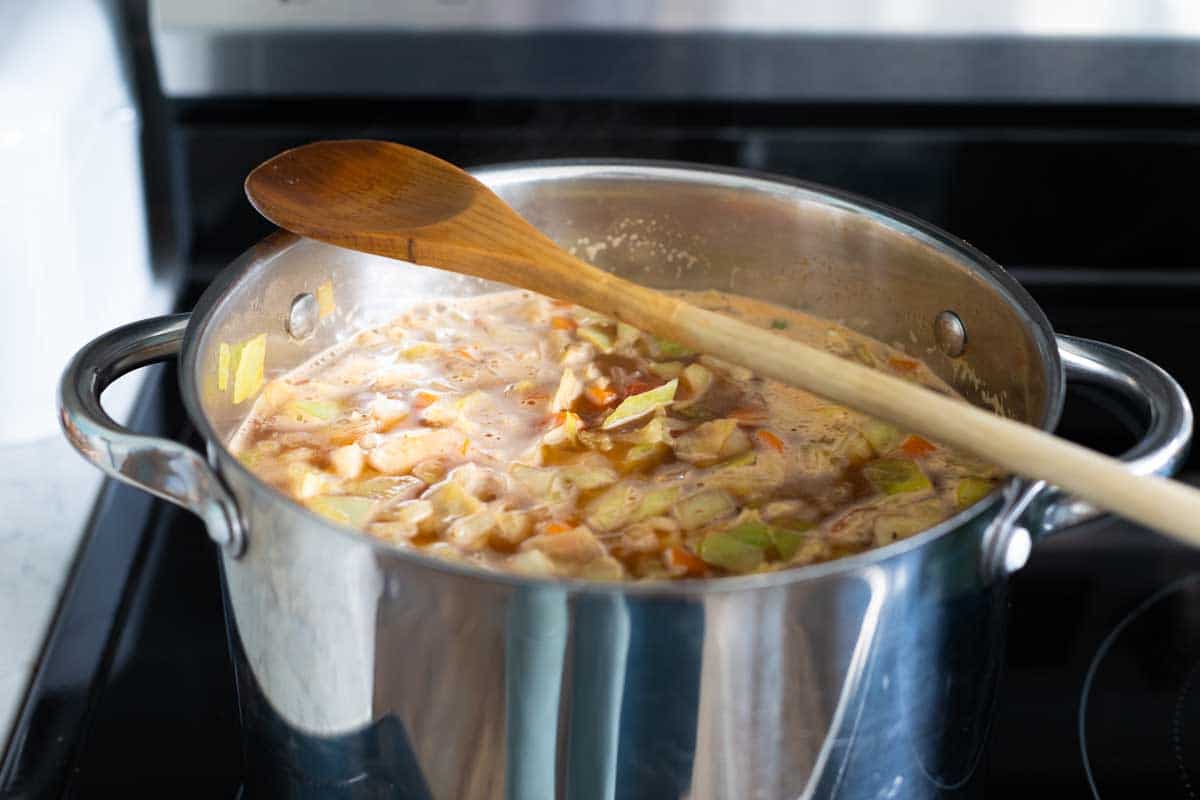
column 366, row 670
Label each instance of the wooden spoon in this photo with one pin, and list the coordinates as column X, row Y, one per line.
column 392, row 200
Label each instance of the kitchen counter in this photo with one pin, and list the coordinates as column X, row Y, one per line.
column 47, row 492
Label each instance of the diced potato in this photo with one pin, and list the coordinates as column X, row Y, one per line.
column 347, row 461
column 705, row 445
column 896, row 475
column 702, row 508
column 471, row 532
column 645, row 456
column 450, row 499
column 569, row 389
column 386, row 487
column 400, row 452
column 388, row 411
column 305, row 481
column 576, row 546
column 536, row 480
column 666, row 369
column 585, row 477
column 605, row 568
column 431, row 470
column 352, row 511
column 403, row 520
column 513, row 527
column 532, row 562
column 697, row 380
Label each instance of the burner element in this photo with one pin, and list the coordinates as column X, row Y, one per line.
column 1139, row 716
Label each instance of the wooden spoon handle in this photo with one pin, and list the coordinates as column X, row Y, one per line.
column 1157, row 502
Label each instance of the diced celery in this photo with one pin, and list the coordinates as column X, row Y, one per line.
column 787, row 539
column 728, row 552
column 352, row 511
column 312, row 410
column 595, row 337
column 971, row 490
column 223, row 359
column 670, row 349
column 896, row 475
column 666, row 369
column 702, row 508
column 613, row 508
column 656, row 502
column 325, row 302
column 779, row 324
column 637, row 406
column 882, row 437
column 752, row 531
column 248, row 373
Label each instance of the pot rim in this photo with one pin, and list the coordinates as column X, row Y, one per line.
column 499, row 174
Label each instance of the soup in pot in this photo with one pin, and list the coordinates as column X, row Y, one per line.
column 519, row 433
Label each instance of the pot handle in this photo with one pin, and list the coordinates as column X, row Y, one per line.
column 163, row 468
column 1037, row 509
column 1151, row 392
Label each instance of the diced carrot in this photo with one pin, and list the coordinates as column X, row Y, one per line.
column 902, row 364
column 561, row 303
column 680, row 562
column 557, row 527
column 423, row 399
column 599, row 395
column 916, row 447
column 563, row 323
column 769, row 439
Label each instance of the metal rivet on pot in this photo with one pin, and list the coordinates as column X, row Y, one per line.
column 303, row 316
column 1016, row 552
column 950, row 334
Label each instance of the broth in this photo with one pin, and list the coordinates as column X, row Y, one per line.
column 521, row 433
